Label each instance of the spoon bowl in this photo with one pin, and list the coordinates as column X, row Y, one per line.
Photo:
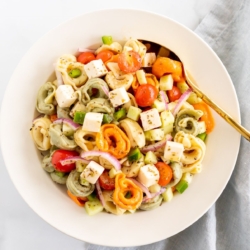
column 193, row 85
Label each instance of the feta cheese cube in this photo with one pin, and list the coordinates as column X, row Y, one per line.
column 150, row 119
column 173, row 151
column 148, row 59
column 118, row 96
column 95, row 68
column 148, row 175
column 92, row 172
column 65, row 96
column 92, row 122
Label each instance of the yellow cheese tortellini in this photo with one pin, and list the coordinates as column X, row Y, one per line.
column 40, row 133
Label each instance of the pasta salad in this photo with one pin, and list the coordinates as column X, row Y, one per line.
column 120, row 127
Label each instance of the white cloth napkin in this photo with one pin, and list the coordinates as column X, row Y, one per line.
column 226, row 226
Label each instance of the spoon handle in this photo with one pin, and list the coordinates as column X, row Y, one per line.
column 244, row 132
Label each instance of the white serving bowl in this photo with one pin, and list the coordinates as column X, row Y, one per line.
column 48, row 199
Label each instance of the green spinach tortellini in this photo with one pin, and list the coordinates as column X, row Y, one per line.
column 45, row 99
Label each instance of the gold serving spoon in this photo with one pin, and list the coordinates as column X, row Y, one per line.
column 191, row 83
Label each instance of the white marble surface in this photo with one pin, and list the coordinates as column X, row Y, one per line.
column 22, row 23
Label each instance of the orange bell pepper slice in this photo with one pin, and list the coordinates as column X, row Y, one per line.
column 165, row 65
column 207, row 116
column 122, row 187
column 113, row 140
column 79, row 201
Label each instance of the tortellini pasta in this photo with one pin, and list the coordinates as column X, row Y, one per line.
column 40, row 133
column 132, row 169
column 45, row 99
column 60, row 138
column 115, row 47
column 123, row 81
column 152, row 204
column 110, row 206
column 65, row 64
column 136, row 46
column 187, row 121
column 100, row 105
column 85, row 139
column 194, row 150
column 94, row 88
column 74, row 186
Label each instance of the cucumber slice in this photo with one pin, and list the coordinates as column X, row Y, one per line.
column 193, row 98
column 166, row 82
column 141, row 76
column 154, row 134
column 80, row 167
column 93, row 207
column 134, row 154
column 92, row 197
column 168, row 195
column 159, row 105
column 134, row 113
column 150, row 158
column 167, row 120
column 120, row 114
column 107, row 40
column 154, row 188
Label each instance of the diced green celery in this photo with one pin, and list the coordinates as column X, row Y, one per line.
column 134, row 113
column 107, row 118
column 74, row 73
column 79, row 117
column 166, row 82
column 168, row 195
column 60, row 174
column 181, row 186
column 107, row 40
column 120, row 114
column 93, row 207
column 167, row 120
column 150, row 158
column 202, row 136
column 134, row 154
column 154, row 134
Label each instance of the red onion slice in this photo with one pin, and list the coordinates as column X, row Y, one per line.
column 142, row 187
column 105, row 155
column 164, row 98
column 73, row 159
column 153, row 195
column 157, row 145
column 69, row 122
column 105, row 90
column 99, row 191
column 182, row 99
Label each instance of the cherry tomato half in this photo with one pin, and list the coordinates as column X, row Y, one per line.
column 145, row 95
column 129, row 61
column 105, row 55
column 62, row 154
column 86, row 57
column 166, row 173
column 174, row 94
column 106, row 182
